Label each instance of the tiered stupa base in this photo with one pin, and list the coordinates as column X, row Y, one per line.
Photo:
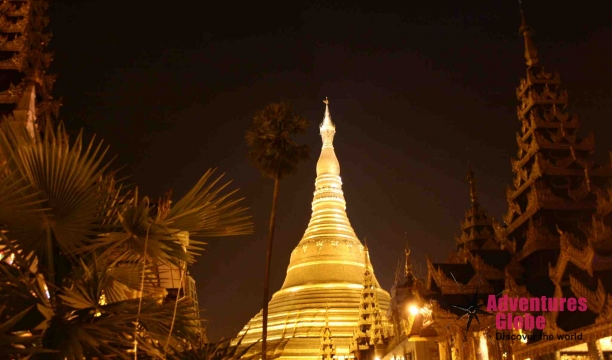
column 297, row 318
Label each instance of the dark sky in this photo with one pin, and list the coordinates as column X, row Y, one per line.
column 416, row 89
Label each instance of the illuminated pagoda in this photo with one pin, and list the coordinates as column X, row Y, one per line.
column 325, row 274
column 556, row 241
column 24, row 61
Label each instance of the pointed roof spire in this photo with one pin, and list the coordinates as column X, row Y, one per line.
column 408, row 263
column 366, row 253
column 397, row 272
column 472, row 181
column 531, row 53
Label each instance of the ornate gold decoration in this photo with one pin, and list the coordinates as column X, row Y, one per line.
column 7, row 26
column 12, row 94
column 16, row 44
column 15, row 62
column 9, row 8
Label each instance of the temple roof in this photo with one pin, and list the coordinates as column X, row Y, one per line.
column 495, row 257
column 463, row 273
column 24, row 58
column 477, row 230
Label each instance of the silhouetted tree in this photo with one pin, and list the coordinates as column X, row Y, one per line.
column 275, row 155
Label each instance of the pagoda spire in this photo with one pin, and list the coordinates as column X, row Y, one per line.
column 370, row 330
column 366, row 254
column 477, row 231
column 531, row 52
column 556, row 181
column 472, row 181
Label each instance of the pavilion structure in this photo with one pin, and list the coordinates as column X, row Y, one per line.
column 556, row 241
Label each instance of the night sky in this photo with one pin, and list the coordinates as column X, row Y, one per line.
column 417, row 90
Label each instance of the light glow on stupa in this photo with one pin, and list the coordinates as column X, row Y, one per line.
column 325, row 274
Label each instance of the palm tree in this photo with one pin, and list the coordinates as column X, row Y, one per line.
column 275, row 155
column 82, row 253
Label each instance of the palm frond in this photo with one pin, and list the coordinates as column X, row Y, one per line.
column 20, row 288
column 69, row 182
column 15, row 199
column 86, row 327
column 204, row 211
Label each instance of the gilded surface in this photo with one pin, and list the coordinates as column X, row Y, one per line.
column 324, row 281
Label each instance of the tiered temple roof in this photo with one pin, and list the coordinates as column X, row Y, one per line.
column 558, row 212
column 557, row 238
column 479, row 261
column 23, row 57
column 555, row 181
column 370, row 330
column 469, row 275
column 325, row 273
column 328, row 349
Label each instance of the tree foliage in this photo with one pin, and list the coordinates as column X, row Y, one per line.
column 273, row 152
column 80, row 276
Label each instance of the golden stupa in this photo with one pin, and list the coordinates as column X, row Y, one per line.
column 325, row 274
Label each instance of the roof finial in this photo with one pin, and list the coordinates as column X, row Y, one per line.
column 366, row 253
column 472, row 182
column 408, row 264
column 531, row 53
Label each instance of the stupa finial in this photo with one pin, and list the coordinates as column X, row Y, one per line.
column 531, row 53
column 327, row 128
